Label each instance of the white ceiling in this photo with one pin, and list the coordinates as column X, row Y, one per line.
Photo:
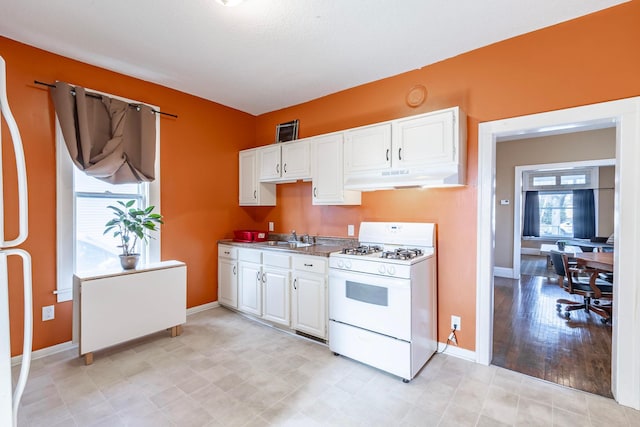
column 264, row 55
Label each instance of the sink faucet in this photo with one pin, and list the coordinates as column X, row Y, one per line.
column 294, row 236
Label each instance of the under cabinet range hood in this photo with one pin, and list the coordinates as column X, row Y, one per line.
column 429, row 177
column 426, row 150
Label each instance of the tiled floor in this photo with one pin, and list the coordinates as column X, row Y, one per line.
column 226, row 370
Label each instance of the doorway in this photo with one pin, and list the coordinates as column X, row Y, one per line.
column 625, row 116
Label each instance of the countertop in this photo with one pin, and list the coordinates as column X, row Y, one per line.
column 324, row 247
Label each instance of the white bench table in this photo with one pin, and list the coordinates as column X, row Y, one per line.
column 116, row 306
column 569, row 250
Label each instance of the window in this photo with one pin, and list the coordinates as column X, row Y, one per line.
column 82, row 213
column 94, row 250
column 556, row 213
column 555, row 197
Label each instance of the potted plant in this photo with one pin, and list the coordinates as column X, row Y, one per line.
column 131, row 224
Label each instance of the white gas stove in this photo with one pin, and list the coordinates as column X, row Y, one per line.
column 382, row 297
column 387, row 248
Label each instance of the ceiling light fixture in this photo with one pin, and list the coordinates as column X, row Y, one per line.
column 229, row 3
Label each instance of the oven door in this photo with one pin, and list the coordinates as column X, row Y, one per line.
column 377, row 303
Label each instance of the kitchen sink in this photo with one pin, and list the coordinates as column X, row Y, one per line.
column 287, row 245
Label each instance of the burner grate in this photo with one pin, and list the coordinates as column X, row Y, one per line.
column 402, row 253
column 362, row 250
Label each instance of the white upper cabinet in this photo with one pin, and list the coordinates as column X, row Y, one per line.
column 251, row 191
column 327, row 172
column 426, row 140
column 285, row 162
column 426, row 150
column 367, row 148
column 269, row 161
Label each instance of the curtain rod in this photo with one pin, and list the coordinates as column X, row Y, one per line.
column 94, row 95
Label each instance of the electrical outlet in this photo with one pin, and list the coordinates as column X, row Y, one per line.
column 270, row 226
column 48, row 313
column 455, row 320
column 351, row 230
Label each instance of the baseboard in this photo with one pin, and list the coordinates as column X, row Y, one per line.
column 529, row 251
column 47, row 351
column 203, row 307
column 461, row 353
column 503, row 272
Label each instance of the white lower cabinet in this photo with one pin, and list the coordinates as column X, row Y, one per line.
column 276, row 279
column 250, row 281
column 228, row 275
column 289, row 290
column 309, row 301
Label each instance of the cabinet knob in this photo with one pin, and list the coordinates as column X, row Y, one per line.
column 294, row 284
column 387, row 155
column 285, row 168
column 400, row 153
column 255, row 194
column 264, row 278
column 234, row 270
column 278, row 168
column 308, row 265
column 315, row 191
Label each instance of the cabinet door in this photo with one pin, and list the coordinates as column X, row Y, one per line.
column 276, row 300
column 328, row 172
column 427, row 140
column 228, row 282
column 309, row 304
column 367, row 149
column 249, row 288
column 248, row 191
column 269, row 162
column 296, row 161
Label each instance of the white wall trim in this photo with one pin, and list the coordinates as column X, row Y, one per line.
column 504, row 272
column 461, row 353
column 529, row 251
column 518, row 202
column 44, row 352
column 625, row 116
column 58, row 348
column 203, row 307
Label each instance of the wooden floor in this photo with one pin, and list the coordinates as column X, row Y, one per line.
column 531, row 337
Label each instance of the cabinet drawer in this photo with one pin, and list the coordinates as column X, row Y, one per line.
column 276, row 260
column 250, row 255
column 311, row 264
column 227, row 252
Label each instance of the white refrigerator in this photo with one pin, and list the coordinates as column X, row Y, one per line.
column 10, row 396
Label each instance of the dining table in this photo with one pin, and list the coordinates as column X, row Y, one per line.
column 602, row 261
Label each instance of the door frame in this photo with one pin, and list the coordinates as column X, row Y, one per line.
column 518, row 203
column 625, row 116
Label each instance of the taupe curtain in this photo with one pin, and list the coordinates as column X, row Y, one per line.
column 106, row 138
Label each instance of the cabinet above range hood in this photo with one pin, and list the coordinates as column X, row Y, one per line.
column 427, row 150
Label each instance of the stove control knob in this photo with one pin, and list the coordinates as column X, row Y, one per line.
column 340, row 263
column 391, row 270
column 381, row 269
column 347, row 265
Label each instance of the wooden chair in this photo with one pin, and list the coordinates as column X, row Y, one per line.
column 585, row 282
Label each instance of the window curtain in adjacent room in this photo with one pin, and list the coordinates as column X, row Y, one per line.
column 584, row 214
column 531, row 222
column 107, row 138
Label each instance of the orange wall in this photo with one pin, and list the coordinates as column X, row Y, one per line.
column 591, row 59
column 588, row 60
column 199, row 170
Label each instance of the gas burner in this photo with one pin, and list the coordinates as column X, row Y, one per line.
column 362, row 250
column 402, row 253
